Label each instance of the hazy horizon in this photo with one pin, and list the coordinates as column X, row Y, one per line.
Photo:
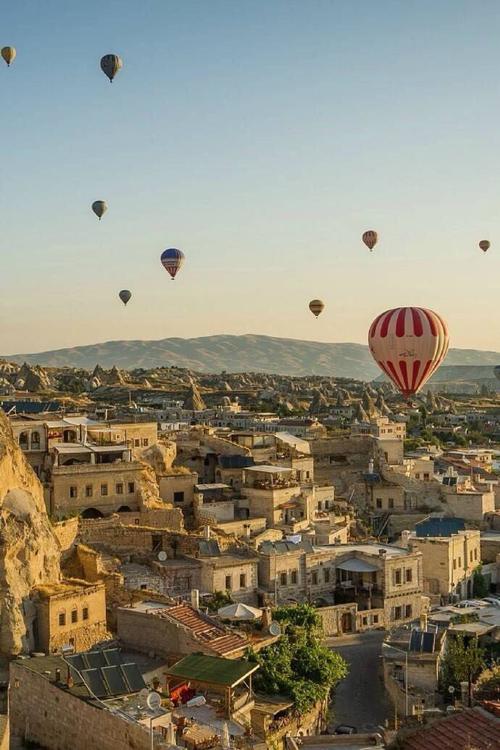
column 262, row 139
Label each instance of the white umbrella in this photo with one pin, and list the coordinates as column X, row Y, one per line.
column 239, row 612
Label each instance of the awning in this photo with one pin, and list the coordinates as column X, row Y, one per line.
column 354, row 565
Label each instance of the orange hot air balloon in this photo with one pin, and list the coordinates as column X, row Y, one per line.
column 484, row 245
column 316, row 306
column 408, row 344
column 370, row 238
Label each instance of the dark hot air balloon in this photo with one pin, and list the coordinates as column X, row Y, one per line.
column 370, row 238
column 408, row 344
column 125, row 295
column 172, row 260
column 99, row 208
column 316, row 306
column 484, row 245
column 110, row 65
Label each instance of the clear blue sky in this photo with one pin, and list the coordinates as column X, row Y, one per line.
column 262, row 137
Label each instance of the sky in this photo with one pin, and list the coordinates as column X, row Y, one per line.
column 262, row 138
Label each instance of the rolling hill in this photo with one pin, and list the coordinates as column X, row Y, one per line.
column 241, row 353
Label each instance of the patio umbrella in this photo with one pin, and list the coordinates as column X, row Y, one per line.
column 239, row 612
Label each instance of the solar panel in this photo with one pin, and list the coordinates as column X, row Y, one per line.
column 428, row 642
column 94, row 659
column 76, row 661
column 95, row 683
column 416, row 640
column 133, row 676
column 112, row 656
column 115, row 680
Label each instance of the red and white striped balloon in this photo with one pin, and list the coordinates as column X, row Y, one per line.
column 408, row 344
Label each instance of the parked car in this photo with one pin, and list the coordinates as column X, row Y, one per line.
column 345, row 729
column 492, row 601
column 471, row 603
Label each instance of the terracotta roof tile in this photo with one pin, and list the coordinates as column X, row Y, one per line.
column 472, row 729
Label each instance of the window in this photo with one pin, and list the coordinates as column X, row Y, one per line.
column 35, row 441
column 145, row 442
column 137, row 443
column 74, row 615
column 391, row 502
column 73, row 491
column 454, row 564
column 294, row 576
column 417, row 475
column 409, row 575
column 283, row 580
column 119, row 488
column 131, row 488
column 397, row 613
column 326, row 575
column 408, row 610
column 104, row 489
column 23, row 441
column 314, row 578
column 229, row 583
column 459, row 562
column 62, row 619
column 426, row 476
column 243, row 581
column 475, row 554
column 178, row 497
column 471, row 556
column 397, row 577
column 375, row 619
column 85, row 613
column 378, row 502
column 89, row 490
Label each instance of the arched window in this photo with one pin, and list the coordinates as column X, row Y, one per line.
column 61, row 618
column 35, row 441
column 24, row 441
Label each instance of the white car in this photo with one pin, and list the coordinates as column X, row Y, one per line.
column 492, row 601
column 471, row 603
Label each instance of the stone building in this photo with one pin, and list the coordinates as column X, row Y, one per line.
column 69, row 613
column 448, row 563
column 177, row 486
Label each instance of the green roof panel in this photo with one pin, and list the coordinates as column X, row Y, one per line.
column 212, row 669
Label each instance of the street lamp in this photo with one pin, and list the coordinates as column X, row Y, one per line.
column 401, row 651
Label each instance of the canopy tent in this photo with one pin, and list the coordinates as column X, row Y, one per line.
column 355, row 565
column 239, row 611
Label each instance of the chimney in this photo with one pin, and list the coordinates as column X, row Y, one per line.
column 206, row 532
column 195, row 598
column 266, row 617
column 382, row 553
column 423, row 622
column 370, row 466
column 405, row 536
column 248, row 530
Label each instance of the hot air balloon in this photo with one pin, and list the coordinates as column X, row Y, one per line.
column 110, row 65
column 9, row 54
column 316, row 306
column 125, row 295
column 496, row 370
column 99, row 208
column 172, row 260
column 484, row 245
column 408, row 344
column 370, row 238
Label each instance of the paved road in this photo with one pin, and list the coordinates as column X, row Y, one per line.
column 360, row 699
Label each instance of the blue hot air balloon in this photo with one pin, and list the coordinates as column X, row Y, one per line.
column 172, row 260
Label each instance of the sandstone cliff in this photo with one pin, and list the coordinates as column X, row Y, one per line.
column 29, row 553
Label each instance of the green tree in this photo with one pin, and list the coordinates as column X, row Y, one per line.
column 480, row 584
column 488, row 684
column 298, row 665
column 462, row 662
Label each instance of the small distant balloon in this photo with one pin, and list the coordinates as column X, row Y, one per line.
column 172, row 260
column 484, row 245
column 99, row 208
column 110, row 65
column 9, row 54
column 125, row 295
column 316, row 306
column 370, row 238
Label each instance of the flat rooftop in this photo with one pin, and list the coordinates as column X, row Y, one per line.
column 268, row 469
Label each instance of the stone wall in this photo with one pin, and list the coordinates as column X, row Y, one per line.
column 52, row 717
column 66, row 533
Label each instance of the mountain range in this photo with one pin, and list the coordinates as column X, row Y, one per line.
column 246, row 353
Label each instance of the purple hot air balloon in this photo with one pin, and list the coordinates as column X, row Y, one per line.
column 172, row 259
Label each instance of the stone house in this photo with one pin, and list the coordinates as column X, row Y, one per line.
column 177, row 486
column 448, row 563
column 69, row 613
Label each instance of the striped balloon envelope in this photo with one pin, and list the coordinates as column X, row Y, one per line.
column 172, row 260
column 408, row 344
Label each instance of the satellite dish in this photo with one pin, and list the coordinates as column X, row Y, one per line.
column 162, row 555
column 154, row 701
column 275, row 628
column 144, row 693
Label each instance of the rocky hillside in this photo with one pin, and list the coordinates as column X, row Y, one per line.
column 248, row 353
column 29, row 552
